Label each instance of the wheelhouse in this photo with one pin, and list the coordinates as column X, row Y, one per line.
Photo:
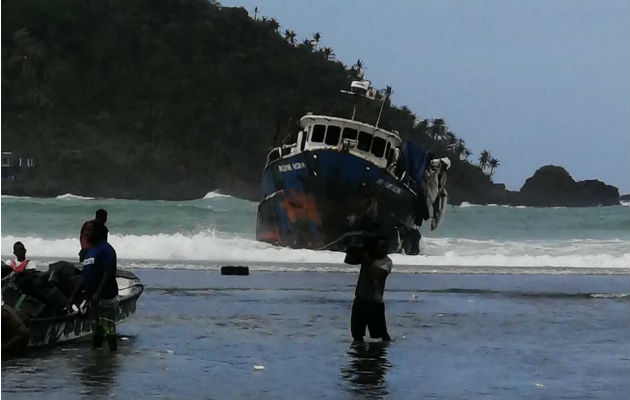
column 376, row 145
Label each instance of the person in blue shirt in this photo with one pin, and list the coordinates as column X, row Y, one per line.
column 99, row 284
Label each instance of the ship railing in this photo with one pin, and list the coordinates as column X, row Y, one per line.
column 280, row 152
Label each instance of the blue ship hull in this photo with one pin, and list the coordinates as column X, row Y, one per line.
column 313, row 199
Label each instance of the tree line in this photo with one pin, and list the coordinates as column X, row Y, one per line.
column 173, row 98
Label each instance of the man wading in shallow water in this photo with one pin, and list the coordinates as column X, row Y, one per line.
column 99, row 284
column 368, row 308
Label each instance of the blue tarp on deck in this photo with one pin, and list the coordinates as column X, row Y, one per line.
column 413, row 159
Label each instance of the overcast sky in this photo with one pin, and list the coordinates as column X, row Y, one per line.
column 533, row 81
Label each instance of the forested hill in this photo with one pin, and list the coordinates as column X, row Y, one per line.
column 173, row 98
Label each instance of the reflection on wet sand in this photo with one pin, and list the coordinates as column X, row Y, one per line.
column 97, row 372
column 71, row 368
column 366, row 370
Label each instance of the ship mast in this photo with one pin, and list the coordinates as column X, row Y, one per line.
column 360, row 90
column 388, row 92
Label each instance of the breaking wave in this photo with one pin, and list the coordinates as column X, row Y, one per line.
column 465, row 204
column 214, row 194
column 10, row 196
column 209, row 249
column 70, row 196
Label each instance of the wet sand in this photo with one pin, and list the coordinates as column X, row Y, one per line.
column 198, row 335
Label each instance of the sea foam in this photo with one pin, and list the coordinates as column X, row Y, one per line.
column 70, row 196
column 214, row 194
column 211, row 248
column 9, row 196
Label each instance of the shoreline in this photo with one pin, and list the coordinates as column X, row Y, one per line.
column 398, row 286
column 257, row 199
column 342, row 268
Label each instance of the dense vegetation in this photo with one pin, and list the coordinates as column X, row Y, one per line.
column 174, row 98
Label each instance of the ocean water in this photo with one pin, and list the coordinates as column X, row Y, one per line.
column 503, row 302
column 199, row 335
column 219, row 229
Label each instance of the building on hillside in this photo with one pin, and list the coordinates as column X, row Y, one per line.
column 13, row 165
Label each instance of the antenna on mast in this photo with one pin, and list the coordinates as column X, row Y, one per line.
column 360, row 90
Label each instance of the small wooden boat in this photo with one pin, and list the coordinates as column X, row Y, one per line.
column 50, row 330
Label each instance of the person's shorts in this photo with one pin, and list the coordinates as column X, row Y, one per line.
column 104, row 317
column 370, row 314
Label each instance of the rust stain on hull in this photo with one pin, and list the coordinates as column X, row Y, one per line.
column 300, row 206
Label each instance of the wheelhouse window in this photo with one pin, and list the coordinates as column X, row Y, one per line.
column 332, row 135
column 319, row 132
column 389, row 153
column 349, row 133
column 273, row 155
column 365, row 140
column 378, row 146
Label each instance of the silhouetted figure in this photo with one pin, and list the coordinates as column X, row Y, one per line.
column 101, row 217
column 368, row 308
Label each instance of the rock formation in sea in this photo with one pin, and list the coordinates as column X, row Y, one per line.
column 553, row 186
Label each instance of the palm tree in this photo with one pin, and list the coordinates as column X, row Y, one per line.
column 307, row 44
column 493, row 164
column 274, row 24
column 423, row 127
column 459, row 148
column 438, row 129
column 387, row 93
column 328, row 52
column 358, row 69
column 316, row 38
column 290, row 36
column 255, row 13
column 451, row 140
column 466, row 153
column 484, row 157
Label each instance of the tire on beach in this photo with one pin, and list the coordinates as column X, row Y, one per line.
column 234, row 270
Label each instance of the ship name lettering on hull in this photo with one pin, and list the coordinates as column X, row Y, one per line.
column 291, row 167
column 389, row 186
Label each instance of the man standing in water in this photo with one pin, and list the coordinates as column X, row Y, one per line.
column 368, row 308
column 99, row 284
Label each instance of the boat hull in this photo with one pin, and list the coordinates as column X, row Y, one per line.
column 54, row 330
column 316, row 198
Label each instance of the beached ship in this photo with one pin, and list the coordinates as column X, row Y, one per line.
column 342, row 178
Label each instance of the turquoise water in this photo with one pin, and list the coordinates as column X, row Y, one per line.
column 221, row 228
column 459, row 335
column 59, row 218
